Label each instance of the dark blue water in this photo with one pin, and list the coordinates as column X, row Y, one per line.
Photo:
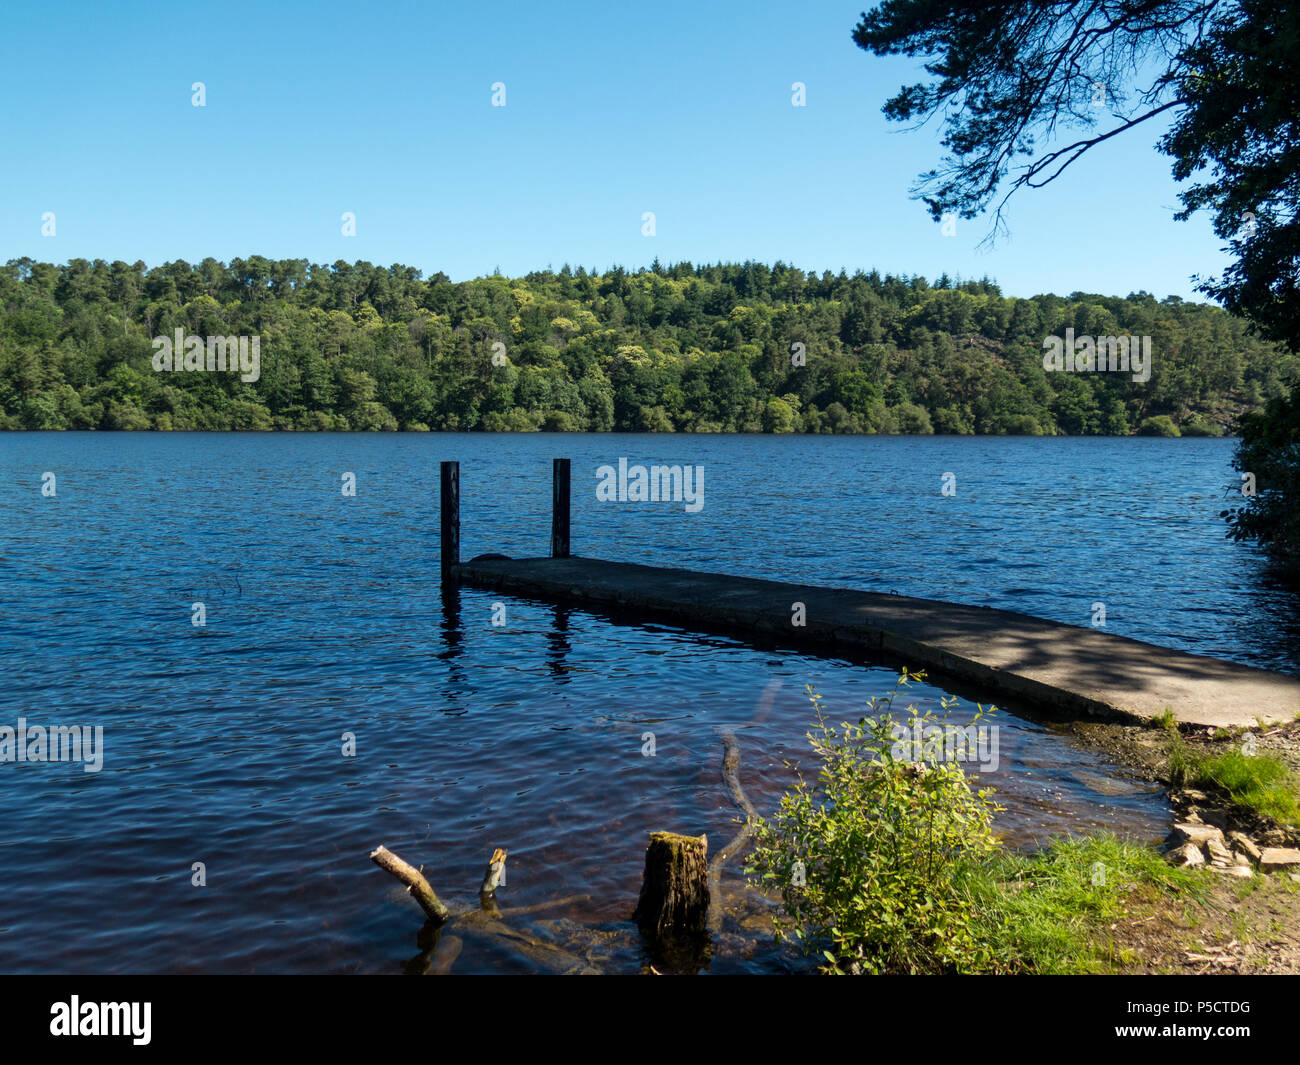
column 224, row 744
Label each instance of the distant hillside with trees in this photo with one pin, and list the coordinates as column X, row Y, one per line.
column 681, row 348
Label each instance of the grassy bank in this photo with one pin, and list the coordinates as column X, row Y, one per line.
column 1057, row 911
column 1261, row 783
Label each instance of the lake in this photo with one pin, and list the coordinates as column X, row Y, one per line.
column 226, row 744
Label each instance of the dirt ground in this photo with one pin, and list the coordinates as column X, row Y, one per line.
column 1240, row 926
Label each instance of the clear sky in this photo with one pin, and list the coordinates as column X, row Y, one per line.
column 612, row 110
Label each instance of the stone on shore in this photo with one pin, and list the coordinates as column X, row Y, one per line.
column 1217, row 852
column 1187, row 855
column 1245, row 845
column 1275, row 859
column 1186, row 832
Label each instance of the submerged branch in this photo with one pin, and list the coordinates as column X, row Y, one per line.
column 415, row 882
column 730, row 774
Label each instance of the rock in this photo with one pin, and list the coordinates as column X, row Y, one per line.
column 1245, row 845
column 1188, row 856
column 1242, row 872
column 1273, row 837
column 1210, row 816
column 1241, row 859
column 1274, row 859
column 1217, row 852
column 1103, row 785
column 1187, row 832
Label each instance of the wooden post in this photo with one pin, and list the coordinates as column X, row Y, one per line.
column 674, row 900
column 450, row 517
column 560, row 509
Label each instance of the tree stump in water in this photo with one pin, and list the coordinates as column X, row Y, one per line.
column 674, row 900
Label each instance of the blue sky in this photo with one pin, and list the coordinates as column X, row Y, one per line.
column 384, row 110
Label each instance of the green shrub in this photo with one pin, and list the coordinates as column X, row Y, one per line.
column 912, row 419
column 559, row 421
column 885, row 846
column 1017, row 425
column 1160, row 425
column 778, row 417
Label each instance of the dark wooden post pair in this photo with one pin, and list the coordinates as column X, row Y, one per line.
column 450, row 496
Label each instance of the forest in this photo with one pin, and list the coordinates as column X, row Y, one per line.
column 741, row 347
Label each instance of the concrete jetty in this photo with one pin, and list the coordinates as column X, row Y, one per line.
column 1063, row 668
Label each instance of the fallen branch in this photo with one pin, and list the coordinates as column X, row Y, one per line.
column 445, row 956
column 730, row 774
column 484, row 920
column 416, row 884
column 538, row 907
column 547, row 955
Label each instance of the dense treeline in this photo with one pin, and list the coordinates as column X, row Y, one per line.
column 681, row 348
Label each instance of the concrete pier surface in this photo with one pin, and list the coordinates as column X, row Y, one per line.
column 1066, row 668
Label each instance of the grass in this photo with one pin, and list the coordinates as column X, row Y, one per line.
column 1051, row 912
column 1259, row 782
